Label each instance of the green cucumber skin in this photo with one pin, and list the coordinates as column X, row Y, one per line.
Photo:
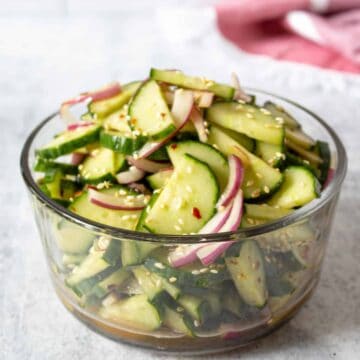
column 112, row 252
column 133, row 108
column 70, row 146
column 120, row 143
column 42, row 165
column 187, row 279
column 323, row 150
column 196, row 83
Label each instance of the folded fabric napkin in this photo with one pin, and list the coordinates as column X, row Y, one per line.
column 325, row 33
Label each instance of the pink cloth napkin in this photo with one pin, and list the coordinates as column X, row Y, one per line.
column 324, row 33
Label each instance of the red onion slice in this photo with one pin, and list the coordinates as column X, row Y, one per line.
column 203, row 99
column 209, row 253
column 77, row 158
column 239, row 92
column 182, row 105
column 199, row 124
column 116, row 203
column 132, row 175
column 216, row 222
column 184, row 254
column 181, row 114
column 236, row 176
column 330, row 176
column 77, row 125
column 148, row 165
column 67, row 115
column 104, row 93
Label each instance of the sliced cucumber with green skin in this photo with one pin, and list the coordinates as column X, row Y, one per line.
column 129, row 253
column 323, row 150
column 292, row 159
column 42, row 165
column 300, row 186
column 125, row 219
column 220, row 139
column 199, row 309
column 68, row 189
column 140, row 225
column 205, row 153
column 72, row 259
column 191, row 82
column 124, row 143
column 71, row 238
column 117, row 121
column 149, row 112
column 177, row 321
column 52, row 181
column 299, row 138
column 153, row 284
column 246, row 119
column 135, row 312
column 105, row 107
column 265, row 211
column 232, row 302
column 101, row 165
column 188, row 279
column 272, row 154
column 159, row 155
column 159, row 179
column 110, row 283
column 92, row 270
column 187, row 201
column 112, row 252
column 69, row 141
column 246, row 265
column 242, row 139
column 214, row 301
column 279, row 112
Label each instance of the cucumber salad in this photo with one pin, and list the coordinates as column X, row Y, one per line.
column 182, row 155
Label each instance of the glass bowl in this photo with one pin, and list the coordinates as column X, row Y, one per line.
column 201, row 311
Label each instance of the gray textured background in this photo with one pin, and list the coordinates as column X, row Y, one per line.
column 52, row 49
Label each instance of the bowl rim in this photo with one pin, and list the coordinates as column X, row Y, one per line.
column 297, row 216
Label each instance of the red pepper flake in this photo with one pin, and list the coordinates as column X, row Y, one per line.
column 173, row 146
column 196, row 213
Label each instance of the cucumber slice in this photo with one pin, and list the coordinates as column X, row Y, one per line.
column 189, row 279
column 105, row 107
column 110, row 283
column 153, row 284
column 265, row 211
column 242, row 139
column 69, row 141
column 159, row 179
column 199, row 309
column 43, row 165
column 323, row 150
column 272, row 154
column 192, row 82
column 292, row 159
column 101, row 165
column 300, row 186
column 205, row 153
column 135, row 312
column 246, row 266
column 68, row 188
column 71, row 260
column 92, row 270
column 121, row 142
column 140, row 225
column 117, row 121
column 246, row 119
column 149, row 112
column 112, row 252
column 184, row 194
column 232, row 302
column 178, row 322
column 117, row 218
column 299, row 138
column 71, row 238
column 278, row 112
column 52, row 182
column 129, row 253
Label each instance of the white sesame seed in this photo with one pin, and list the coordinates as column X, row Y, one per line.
column 213, row 271
column 204, row 270
column 249, row 115
column 181, row 221
column 195, row 272
column 172, row 279
column 188, row 189
column 177, row 227
column 196, row 323
column 159, row 265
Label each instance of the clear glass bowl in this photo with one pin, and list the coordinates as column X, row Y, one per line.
column 216, row 319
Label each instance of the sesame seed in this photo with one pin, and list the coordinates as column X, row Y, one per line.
column 134, row 217
column 189, row 170
column 266, row 189
column 195, row 272
column 279, row 119
column 188, row 189
column 156, row 191
column 255, row 193
column 179, row 309
column 249, row 115
column 81, row 167
column 239, row 107
column 265, row 111
column 205, row 123
column 249, row 183
column 196, row 323
column 125, row 217
column 159, row 265
column 241, row 102
column 172, row 279
column 215, row 146
column 158, row 283
column 204, row 270
column 181, row 221
column 258, row 175
column 177, row 227
column 213, row 271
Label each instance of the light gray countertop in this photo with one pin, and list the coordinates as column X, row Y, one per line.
column 43, row 61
